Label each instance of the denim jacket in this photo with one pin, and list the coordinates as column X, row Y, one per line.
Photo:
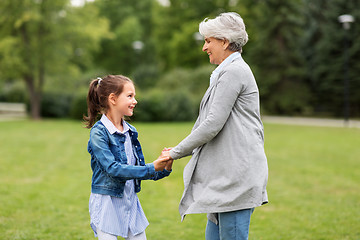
column 109, row 162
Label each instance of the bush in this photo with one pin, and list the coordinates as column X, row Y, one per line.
column 194, row 81
column 78, row 106
column 179, row 107
column 145, row 76
column 13, row 92
column 175, row 97
column 159, row 105
column 291, row 99
column 55, row 105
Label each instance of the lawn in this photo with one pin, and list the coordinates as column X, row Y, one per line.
column 45, row 179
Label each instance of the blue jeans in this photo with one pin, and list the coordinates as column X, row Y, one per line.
column 231, row 226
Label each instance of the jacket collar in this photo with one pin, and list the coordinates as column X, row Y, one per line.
column 215, row 75
column 227, row 61
column 111, row 127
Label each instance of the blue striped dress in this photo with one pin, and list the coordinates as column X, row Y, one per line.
column 113, row 215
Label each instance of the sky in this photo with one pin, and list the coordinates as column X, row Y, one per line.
column 79, row 3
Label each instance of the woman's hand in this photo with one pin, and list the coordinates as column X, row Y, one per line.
column 164, row 161
column 169, row 164
column 166, row 153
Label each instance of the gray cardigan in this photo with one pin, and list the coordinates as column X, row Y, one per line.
column 228, row 170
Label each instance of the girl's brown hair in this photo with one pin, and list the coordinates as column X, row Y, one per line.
column 99, row 91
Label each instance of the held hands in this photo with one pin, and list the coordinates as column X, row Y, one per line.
column 164, row 161
column 166, row 152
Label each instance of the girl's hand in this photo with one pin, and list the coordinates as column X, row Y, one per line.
column 161, row 163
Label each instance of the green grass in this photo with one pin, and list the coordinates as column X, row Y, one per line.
column 45, row 183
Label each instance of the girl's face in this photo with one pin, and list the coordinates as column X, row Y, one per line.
column 215, row 48
column 125, row 102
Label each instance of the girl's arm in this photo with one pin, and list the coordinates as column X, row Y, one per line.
column 100, row 146
column 166, row 172
column 168, row 168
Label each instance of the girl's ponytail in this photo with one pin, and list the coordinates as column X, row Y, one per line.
column 93, row 103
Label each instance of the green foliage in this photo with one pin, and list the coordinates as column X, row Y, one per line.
column 78, row 107
column 44, row 38
column 130, row 21
column 295, row 48
column 146, row 76
column 186, row 51
column 276, row 57
column 175, row 27
column 195, row 81
column 125, row 61
column 291, row 99
column 324, row 45
column 11, row 92
column 55, row 105
column 10, row 57
column 45, row 180
column 159, row 105
column 176, row 97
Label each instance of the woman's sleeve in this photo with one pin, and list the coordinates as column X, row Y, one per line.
column 106, row 160
column 227, row 90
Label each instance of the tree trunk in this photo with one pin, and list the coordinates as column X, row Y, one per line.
column 35, row 98
column 35, row 87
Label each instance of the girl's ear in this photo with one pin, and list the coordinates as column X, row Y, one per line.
column 112, row 98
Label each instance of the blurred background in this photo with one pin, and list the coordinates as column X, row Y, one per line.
column 305, row 57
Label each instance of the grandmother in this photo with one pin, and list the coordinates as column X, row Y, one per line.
column 227, row 174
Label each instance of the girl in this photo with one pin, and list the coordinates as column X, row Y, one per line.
column 117, row 161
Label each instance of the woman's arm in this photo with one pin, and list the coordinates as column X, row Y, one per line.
column 228, row 88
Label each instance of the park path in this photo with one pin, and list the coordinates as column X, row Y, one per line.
column 304, row 121
column 320, row 122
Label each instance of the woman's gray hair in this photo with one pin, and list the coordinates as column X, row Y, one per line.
column 228, row 26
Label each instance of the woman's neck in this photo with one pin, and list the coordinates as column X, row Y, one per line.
column 227, row 53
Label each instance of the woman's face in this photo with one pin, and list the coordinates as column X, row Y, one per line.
column 216, row 49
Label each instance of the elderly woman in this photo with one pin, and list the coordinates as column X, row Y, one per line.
column 227, row 174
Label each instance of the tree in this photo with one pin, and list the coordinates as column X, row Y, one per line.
column 275, row 55
column 42, row 38
column 324, row 52
column 130, row 45
column 175, row 26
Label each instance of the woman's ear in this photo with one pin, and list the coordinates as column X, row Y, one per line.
column 225, row 44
